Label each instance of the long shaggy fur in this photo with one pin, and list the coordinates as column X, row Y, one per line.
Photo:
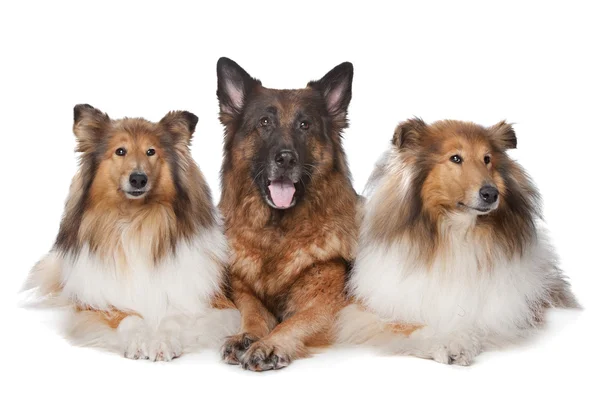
column 289, row 265
column 137, row 276
column 434, row 280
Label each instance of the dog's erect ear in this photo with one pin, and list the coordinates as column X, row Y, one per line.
column 89, row 123
column 180, row 123
column 234, row 86
column 407, row 133
column 503, row 135
column 336, row 87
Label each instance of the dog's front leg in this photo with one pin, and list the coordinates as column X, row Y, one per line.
column 313, row 303
column 257, row 322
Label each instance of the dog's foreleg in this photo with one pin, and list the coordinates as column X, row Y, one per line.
column 256, row 322
column 313, row 302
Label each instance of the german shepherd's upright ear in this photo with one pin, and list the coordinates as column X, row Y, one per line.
column 234, row 87
column 89, row 124
column 336, row 88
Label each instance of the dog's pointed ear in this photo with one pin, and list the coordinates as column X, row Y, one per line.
column 336, row 87
column 181, row 123
column 407, row 133
column 233, row 87
column 89, row 123
column 503, row 135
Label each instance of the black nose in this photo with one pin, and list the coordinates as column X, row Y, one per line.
column 138, row 180
column 285, row 159
column 489, row 194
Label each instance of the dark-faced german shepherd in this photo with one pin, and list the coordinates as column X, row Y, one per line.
column 289, row 210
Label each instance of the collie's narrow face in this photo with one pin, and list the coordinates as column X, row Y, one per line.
column 284, row 140
column 133, row 171
column 133, row 158
column 463, row 177
column 459, row 163
column 133, row 164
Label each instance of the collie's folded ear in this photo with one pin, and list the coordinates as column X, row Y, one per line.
column 503, row 135
column 233, row 87
column 89, row 124
column 407, row 133
column 336, row 87
column 180, row 123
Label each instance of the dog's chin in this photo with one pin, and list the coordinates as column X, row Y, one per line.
column 477, row 209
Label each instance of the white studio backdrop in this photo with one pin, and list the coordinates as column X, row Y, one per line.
column 532, row 63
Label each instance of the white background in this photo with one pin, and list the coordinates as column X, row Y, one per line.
column 535, row 64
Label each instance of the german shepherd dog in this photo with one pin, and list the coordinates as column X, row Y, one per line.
column 140, row 256
column 289, row 210
column 453, row 258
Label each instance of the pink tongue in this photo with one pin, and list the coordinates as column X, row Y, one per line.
column 282, row 192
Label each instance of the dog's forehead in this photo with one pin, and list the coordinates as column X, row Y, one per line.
column 287, row 103
column 134, row 131
column 457, row 136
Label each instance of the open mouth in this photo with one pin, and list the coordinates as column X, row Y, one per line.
column 135, row 193
column 281, row 193
column 478, row 209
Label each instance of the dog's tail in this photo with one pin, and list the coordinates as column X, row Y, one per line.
column 560, row 294
column 43, row 287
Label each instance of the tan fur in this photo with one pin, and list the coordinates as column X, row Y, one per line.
column 289, row 268
column 101, row 221
column 441, row 267
column 443, row 184
column 295, row 270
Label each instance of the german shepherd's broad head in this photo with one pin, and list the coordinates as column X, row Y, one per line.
column 289, row 210
column 284, row 139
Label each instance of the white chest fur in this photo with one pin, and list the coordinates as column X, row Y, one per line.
column 457, row 291
column 181, row 283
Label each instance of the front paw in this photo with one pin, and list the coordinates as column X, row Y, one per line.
column 164, row 348
column 134, row 337
column 262, row 356
column 235, row 346
column 459, row 350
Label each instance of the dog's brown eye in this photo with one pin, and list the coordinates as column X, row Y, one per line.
column 150, row 152
column 264, row 121
column 487, row 159
column 304, row 125
column 456, row 159
column 121, row 151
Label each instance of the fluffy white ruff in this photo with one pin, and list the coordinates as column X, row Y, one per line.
column 171, row 298
column 465, row 301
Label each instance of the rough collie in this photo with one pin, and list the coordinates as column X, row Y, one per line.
column 289, row 210
column 452, row 257
column 140, row 256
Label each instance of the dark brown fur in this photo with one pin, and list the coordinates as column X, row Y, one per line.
column 177, row 206
column 289, row 266
column 433, row 190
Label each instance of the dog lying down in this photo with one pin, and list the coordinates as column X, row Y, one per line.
column 140, row 256
column 452, row 258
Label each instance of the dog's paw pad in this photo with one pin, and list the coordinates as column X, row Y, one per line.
column 460, row 351
column 235, row 347
column 164, row 349
column 137, row 348
column 264, row 357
